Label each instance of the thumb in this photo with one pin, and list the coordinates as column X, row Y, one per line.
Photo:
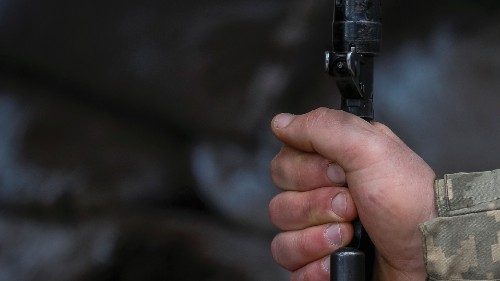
column 336, row 135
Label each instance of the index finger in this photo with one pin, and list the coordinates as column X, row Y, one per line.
column 295, row 170
column 338, row 136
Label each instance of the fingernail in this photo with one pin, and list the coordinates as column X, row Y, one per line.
column 339, row 204
column 283, row 120
column 335, row 173
column 334, row 235
column 326, row 264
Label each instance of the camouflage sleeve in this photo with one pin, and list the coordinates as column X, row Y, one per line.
column 463, row 243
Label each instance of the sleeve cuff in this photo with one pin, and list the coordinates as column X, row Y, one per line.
column 462, row 193
column 463, row 248
column 463, row 243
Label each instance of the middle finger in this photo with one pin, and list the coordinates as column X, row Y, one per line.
column 294, row 210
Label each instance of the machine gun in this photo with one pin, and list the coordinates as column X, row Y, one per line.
column 356, row 41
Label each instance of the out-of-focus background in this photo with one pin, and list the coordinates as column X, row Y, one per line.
column 134, row 141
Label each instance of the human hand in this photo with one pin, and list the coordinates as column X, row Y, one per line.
column 390, row 188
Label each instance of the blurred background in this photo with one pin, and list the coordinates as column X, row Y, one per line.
column 134, row 140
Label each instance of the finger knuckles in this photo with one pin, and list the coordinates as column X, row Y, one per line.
column 276, row 171
column 275, row 210
column 295, row 171
column 286, row 172
column 287, row 250
column 303, row 243
column 378, row 148
column 312, row 272
column 351, row 119
column 304, row 275
column 279, row 169
column 317, row 116
column 280, row 253
column 368, row 150
column 324, row 116
column 308, row 212
column 276, row 249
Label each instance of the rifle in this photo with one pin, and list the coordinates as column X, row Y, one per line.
column 356, row 32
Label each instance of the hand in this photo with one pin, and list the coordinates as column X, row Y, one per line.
column 390, row 188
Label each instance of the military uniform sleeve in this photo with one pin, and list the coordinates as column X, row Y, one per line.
column 463, row 243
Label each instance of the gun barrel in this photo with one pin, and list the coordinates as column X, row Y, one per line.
column 357, row 23
column 356, row 41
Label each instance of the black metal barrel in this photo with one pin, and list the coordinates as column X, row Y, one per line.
column 356, row 41
column 359, row 22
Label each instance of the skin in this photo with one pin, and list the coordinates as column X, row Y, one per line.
column 390, row 188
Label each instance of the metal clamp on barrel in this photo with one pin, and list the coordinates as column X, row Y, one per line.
column 356, row 41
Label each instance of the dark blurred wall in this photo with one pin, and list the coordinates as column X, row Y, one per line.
column 134, row 141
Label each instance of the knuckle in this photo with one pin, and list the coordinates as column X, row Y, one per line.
column 278, row 251
column 317, row 116
column 302, row 275
column 306, row 274
column 274, row 210
column 381, row 127
column 347, row 118
column 275, row 169
column 276, row 248
column 278, row 171
column 302, row 244
column 297, row 178
column 311, row 272
column 308, row 211
column 321, row 111
column 368, row 150
column 278, row 167
column 377, row 148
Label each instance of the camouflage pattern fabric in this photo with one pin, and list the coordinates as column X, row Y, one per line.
column 463, row 243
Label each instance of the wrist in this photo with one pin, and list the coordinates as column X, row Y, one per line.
column 383, row 271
